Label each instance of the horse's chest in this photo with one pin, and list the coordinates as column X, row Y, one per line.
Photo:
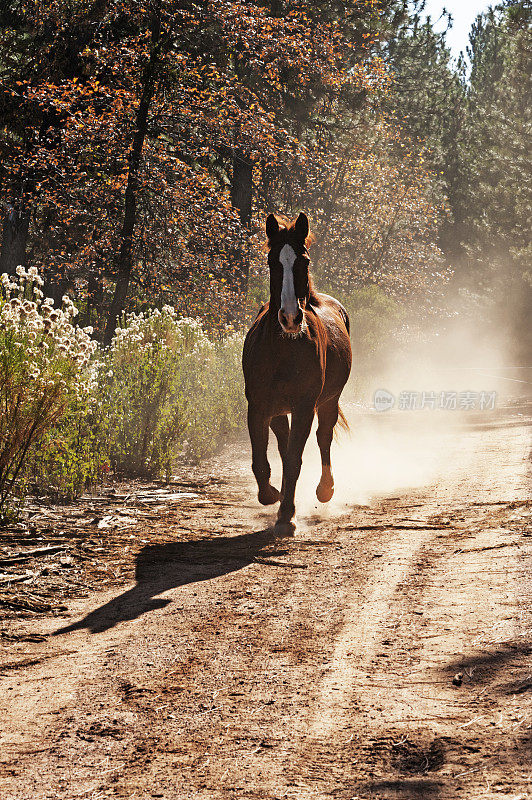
column 287, row 373
column 284, row 376
column 296, row 379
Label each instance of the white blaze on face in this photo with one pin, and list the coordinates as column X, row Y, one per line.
column 289, row 304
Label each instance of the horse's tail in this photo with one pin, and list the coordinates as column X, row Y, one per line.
column 341, row 425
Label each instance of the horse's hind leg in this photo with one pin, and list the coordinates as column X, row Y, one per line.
column 258, row 433
column 281, row 429
column 327, row 419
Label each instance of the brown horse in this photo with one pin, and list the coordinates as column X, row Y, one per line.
column 296, row 360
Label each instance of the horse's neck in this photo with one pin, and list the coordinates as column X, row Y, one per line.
column 273, row 306
column 311, row 291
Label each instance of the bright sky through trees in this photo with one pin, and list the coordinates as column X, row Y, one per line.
column 463, row 13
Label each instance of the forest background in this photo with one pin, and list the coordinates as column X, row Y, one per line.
column 142, row 145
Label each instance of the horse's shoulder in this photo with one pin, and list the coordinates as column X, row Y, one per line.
column 259, row 318
column 255, row 331
column 323, row 299
column 325, row 302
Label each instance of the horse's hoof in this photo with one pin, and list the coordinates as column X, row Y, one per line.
column 284, row 528
column 269, row 496
column 324, row 492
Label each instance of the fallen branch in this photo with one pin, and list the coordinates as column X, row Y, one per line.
column 489, row 547
column 24, row 555
column 384, row 527
column 471, row 721
column 17, row 604
column 273, row 563
column 24, row 637
column 6, row 578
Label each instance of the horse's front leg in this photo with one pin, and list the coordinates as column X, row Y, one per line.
column 281, row 428
column 258, row 425
column 299, row 432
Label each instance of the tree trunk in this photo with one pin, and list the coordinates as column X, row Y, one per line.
column 125, row 255
column 14, row 238
column 241, row 198
column 242, row 186
column 94, row 301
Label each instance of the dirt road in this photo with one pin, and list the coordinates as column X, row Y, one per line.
column 382, row 652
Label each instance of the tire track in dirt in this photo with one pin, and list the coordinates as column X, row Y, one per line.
column 363, row 629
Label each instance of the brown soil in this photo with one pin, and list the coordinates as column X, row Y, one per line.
column 384, row 652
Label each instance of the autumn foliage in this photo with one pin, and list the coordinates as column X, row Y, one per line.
column 143, row 142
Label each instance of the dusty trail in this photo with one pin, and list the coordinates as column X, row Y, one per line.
column 322, row 666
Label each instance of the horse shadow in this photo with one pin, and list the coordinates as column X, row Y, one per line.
column 167, row 566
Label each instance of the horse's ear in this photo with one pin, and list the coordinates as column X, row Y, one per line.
column 301, row 227
column 272, row 227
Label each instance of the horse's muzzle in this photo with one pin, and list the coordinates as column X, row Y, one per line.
column 289, row 323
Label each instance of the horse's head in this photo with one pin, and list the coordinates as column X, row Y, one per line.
column 288, row 262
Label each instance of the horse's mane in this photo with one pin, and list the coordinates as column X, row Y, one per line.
column 312, row 297
column 319, row 335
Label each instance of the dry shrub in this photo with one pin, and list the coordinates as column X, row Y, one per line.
column 44, row 365
column 166, row 388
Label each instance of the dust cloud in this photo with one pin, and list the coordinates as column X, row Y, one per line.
column 450, row 379
column 381, row 455
column 460, row 355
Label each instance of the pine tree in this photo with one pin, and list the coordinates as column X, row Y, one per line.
column 499, row 198
column 428, row 99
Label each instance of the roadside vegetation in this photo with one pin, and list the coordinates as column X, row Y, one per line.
column 73, row 411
